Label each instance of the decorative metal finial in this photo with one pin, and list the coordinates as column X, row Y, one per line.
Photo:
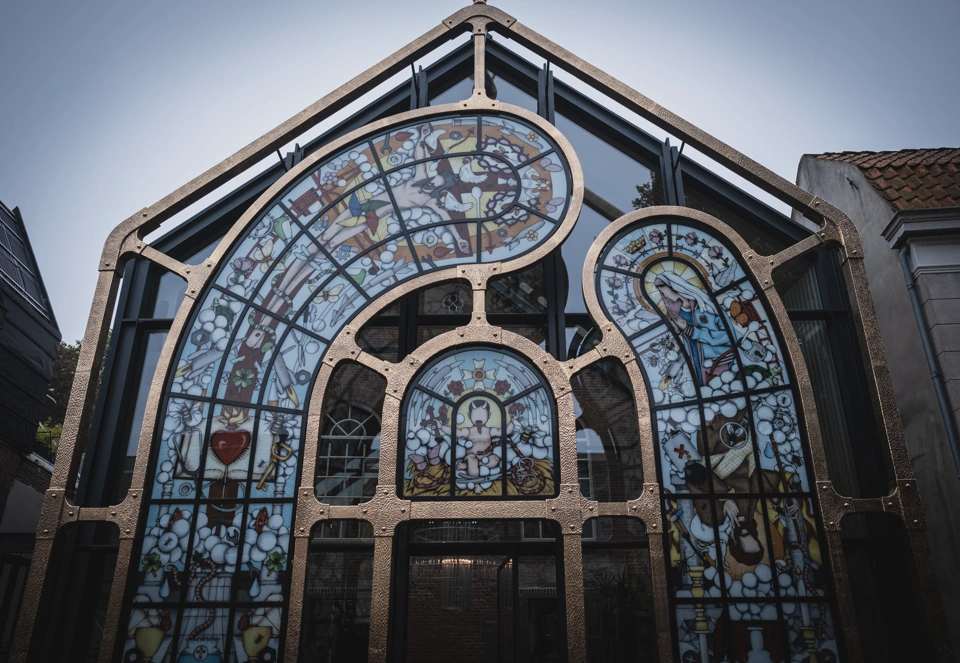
column 479, row 2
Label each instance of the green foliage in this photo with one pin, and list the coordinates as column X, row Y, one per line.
column 61, row 382
column 646, row 197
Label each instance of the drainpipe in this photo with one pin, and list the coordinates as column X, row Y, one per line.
column 935, row 375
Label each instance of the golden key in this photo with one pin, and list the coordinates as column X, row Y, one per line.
column 275, row 460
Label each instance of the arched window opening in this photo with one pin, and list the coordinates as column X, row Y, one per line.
column 348, row 455
column 744, row 540
column 478, row 422
column 608, row 437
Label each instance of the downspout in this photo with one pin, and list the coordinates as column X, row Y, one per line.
column 935, row 374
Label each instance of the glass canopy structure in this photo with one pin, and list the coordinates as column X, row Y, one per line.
column 485, row 371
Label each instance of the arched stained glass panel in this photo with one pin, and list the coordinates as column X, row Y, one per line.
column 214, row 555
column 743, row 541
column 479, row 422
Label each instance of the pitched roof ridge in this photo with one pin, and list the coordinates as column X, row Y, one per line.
column 850, row 156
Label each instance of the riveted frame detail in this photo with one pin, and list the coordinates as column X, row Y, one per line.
column 570, row 509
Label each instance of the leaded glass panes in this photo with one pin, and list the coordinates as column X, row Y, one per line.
column 436, row 193
column 479, row 422
column 746, row 569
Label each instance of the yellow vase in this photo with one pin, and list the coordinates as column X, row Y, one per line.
column 255, row 640
column 149, row 639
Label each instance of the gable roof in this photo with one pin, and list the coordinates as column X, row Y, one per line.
column 909, row 179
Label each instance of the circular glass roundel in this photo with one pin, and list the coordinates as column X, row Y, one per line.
column 478, row 422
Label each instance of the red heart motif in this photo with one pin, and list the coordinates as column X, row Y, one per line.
column 228, row 445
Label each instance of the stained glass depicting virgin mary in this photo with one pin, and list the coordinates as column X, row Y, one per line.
column 678, row 291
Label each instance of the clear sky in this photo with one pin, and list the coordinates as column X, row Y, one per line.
column 109, row 106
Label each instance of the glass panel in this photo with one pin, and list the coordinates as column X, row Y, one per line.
column 617, row 178
column 247, row 262
column 172, row 287
column 882, row 578
column 151, row 356
column 457, row 92
column 77, row 591
column 169, row 295
column 497, row 88
column 203, row 634
column 488, row 407
column 164, row 548
column 377, row 214
column 298, row 273
column 798, row 284
column 815, row 342
column 520, row 292
column 480, row 531
column 574, row 251
column 241, row 377
column 608, row 437
column 742, row 529
column 678, row 292
column 348, row 457
column 509, row 93
column 618, row 592
column 720, row 267
column 777, row 433
column 757, row 346
column 217, row 317
column 181, row 448
column 455, row 602
column 276, row 455
column 698, row 630
column 539, row 637
column 426, row 460
column 226, row 461
column 256, row 633
column 449, row 299
column 336, row 608
column 439, row 246
column 683, row 460
column 381, row 339
column 760, row 241
column 149, row 634
column 293, row 371
column 659, row 353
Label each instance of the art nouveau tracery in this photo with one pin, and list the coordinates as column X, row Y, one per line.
column 214, row 559
column 125, row 243
column 743, row 539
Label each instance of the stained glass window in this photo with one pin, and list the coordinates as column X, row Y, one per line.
column 479, row 422
column 743, row 542
column 214, row 556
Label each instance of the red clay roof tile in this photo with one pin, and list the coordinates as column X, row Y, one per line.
column 909, row 179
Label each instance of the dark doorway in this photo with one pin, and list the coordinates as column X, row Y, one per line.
column 478, row 592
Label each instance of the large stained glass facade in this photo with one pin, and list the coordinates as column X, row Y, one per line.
column 214, row 554
column 742, row 544
column 479, row 422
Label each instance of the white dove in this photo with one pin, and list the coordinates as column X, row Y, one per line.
column 450, row 203
column 431, row 136
column 467, row 175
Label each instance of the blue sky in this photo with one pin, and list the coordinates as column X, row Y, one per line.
column 109, row 106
